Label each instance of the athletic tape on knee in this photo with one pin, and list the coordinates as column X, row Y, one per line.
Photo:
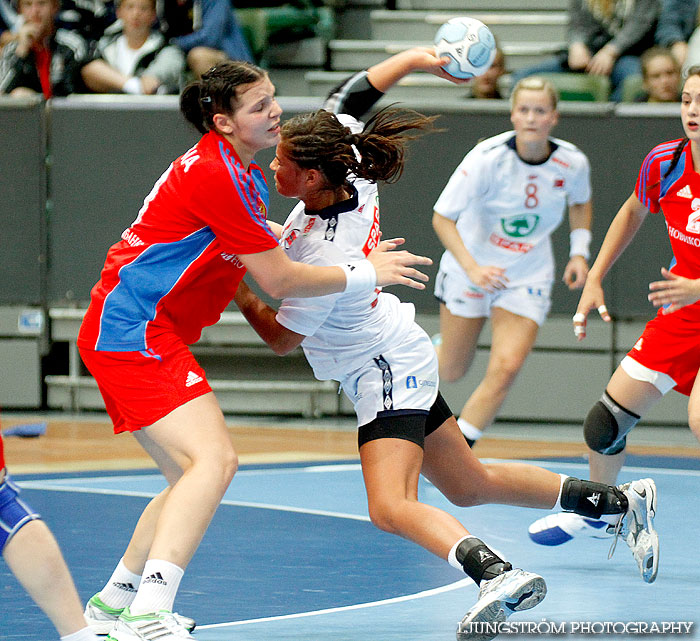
column 480, row 563
column 607, row 425
column 592, row 499
column 14, row 513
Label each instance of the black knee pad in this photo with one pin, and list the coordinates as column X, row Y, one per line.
column 607, row 425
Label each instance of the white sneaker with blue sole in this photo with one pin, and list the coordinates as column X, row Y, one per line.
column 512, row 591
column 555, row 529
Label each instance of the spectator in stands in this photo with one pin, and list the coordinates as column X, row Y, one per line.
column 605, row 37
column 133, row 57
column 485, row 87
column 677, row 22
column 88, row 18
column 43, row 59
column 206, row 30
column 9, row 23
column 661, row 76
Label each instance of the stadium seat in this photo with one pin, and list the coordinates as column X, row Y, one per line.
column 276, row 23
column 632, row 87
column 580, row 86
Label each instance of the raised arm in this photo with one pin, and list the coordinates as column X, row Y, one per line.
column 356, row 95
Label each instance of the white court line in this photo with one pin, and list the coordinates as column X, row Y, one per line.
column 49, row 485
column 345, row 608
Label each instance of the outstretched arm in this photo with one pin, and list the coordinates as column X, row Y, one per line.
column 356, row 95
column 281, row 277
column 622, row 230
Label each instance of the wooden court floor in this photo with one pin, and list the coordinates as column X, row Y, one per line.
column 87, row 443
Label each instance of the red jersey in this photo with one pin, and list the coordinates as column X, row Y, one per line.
column 176, row 268
column 678, row 196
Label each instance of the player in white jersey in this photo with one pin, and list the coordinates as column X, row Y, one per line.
column 495, row 218
column 386, row 363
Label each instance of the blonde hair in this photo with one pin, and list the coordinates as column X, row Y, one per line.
column 535, row 83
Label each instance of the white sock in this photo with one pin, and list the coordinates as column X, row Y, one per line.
column 158, row 587
column 557, row 505
column 469, row 430
column 86, row 634
column 121, row 588
column 452, row 556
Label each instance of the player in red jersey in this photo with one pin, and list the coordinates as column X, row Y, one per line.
column 667, row 355
column 31, row 552
column 175, row 270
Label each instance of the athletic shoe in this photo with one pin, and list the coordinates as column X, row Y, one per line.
column 509, row 592
column 101, row 618
column 555, row 529
column 162, row 625
column 636, row 526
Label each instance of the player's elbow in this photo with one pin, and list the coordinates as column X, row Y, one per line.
column 285, row 343
column 275, row 285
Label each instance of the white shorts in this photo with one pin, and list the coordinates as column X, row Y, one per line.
column 400, row 379
column 464, row 298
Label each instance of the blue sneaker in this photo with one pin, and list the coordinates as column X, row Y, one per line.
column 555, row 529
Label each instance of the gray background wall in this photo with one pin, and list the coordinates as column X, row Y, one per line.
column 106, row 153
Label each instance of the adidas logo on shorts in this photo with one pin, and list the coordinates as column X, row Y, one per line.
column 192, row 379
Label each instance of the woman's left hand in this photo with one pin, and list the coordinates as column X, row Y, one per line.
column 576, row 272
column 675, row 291
column 601, row 63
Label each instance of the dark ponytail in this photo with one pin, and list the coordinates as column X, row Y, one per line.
column 319, row 141
column 216, row 92
column 678, row 151
column 382, row 143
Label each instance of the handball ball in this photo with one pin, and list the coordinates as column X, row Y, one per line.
column 468, row 43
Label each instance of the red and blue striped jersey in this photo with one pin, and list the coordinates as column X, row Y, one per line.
column 678, row 197
column 176, row 267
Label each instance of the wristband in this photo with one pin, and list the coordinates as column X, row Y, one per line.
column 579, row 242
column 132, row 86
column 359, row 276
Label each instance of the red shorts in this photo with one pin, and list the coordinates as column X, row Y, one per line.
column 670, row 344
column 140, row 388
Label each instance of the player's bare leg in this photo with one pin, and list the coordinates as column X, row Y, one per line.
column 512, row 339
column 459, row 338
column 36, row 560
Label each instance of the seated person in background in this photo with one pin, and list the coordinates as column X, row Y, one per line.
column 9, row 23
column 206, row 30
column 43, row 59
column 606, row 38
column 87, row 18
column 134, row 58
column 677, row 22
column 661, row 75
column 485, row 87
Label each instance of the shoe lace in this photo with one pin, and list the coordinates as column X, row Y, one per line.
column 616, row 533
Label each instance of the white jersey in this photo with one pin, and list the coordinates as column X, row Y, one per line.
column 506, row 209
column 345, row 330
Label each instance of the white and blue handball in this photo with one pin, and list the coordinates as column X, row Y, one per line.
column 468, row 43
